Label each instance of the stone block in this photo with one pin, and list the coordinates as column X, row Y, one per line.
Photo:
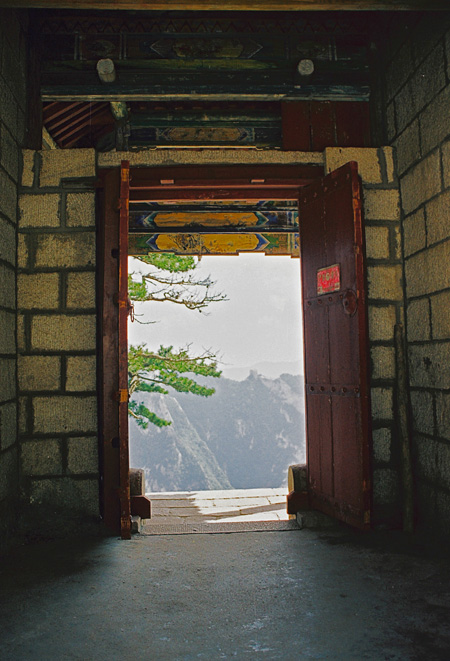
column 39, row 372
column 391, row 122
column 8, row 473
column 414, row 232
column 388, row 153
column 435, row 121
column 440, row 315
column 399, row 70
column 22, row 251
column 421, row 183
column 381, row 322
column 21, row 338
column 137, row 482
column 7, row 242
column 382, row 442
column 8, row 425
column 63, row 333
column 429, row 78
column 42, row 457
column 80, row 496
column 368, row 162
column 9, row 153
column 385, row 282
column 9, row 107
column 24, row 410
column 80, row 210
column 7, row 332
column 39, row 210
column 65, row 250
column 377, row 242
column 60, row 164
column 28, row 168
column 443, row 414
column 385, row 486
column 81, row 373
column 382, row 403
column 82, row 455
column 7, row 287
column 65, row 414
column 38, row 291
column 381, row 204
column 405, row 108
column 422, row 411
column 429, row 365
column 383, row 362
column 445, row 149
column 438, row 218
column 428, row 271
column 408, row 147
column 7, row 378
column 418, row 316
column 8, row 198
column 81, row 290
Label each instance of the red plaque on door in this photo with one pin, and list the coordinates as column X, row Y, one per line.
column 328, row 279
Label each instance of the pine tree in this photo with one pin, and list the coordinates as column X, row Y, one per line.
column 169, row 278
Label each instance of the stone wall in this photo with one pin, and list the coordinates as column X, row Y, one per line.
column 57, row 340
column 417, row 101
column 385, row 309
column 12, row 131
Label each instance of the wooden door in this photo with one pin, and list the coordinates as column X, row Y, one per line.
column 335, row 336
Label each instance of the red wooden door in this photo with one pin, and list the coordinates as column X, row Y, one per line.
column 335, row 336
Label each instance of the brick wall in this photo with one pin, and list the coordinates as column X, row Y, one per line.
column 57, row 337
column 12, row 130
column 417, row 101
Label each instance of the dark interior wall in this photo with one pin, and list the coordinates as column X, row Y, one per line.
column 416, row 72
column 13, row 62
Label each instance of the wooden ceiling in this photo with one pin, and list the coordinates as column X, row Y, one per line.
column 233, row 5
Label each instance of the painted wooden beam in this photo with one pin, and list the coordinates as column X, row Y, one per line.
column 232, row 5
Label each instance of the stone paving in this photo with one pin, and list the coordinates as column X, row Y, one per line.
column 230, row 506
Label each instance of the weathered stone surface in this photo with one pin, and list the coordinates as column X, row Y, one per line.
column 446, row 163
column 7, row 378
column 65, row 414
column 39, row 210
column 385, row 486
column 435, row 121
column 418, row 316
column 137, row 482
column 28, row 167
column 414, row 232
column 21, row 339
column 23, row 415
column 391, row 123
column 377, row 242
column 22, row 251
column 381, row 204
column 399, row 70
column 42, row 457
column 8, row 473
column 405, row 110
column 440, row 315
column 63, row 333
column 81, row 290
column 383, row 362
column 429, row 78
column 82, row 455
column 9, row 153
column 381, row 322
column 7, row 287
column 438, row 217
column 8, row 242
column 81, row 373
column 385, row 282
column 39, row 372
column 38, row 291
column 422, row 411
column 429, row 365
column 80, row 210
column 66, row 250
column 382, row 403
column 433, row 461
column 8, row 425
column 8, row 198
column 421, row 183
column 79, row 496
column 367, row 159
column 382, row 441
column 443, row 414
column 66, row 164
column 408, row 147
column 428, row 271
column 7, row 332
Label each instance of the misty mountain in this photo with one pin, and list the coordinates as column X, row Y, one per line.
column 269, row 369
column 244, row 436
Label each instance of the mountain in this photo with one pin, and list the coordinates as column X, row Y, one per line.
column 244, row 436
column 269, row 369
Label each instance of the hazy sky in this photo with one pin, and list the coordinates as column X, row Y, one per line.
column 260, row 321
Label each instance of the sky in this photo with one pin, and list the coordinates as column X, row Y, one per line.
column 260, row 321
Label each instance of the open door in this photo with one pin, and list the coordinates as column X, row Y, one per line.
column 335, row 337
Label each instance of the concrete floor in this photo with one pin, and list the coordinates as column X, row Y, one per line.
column 299, row 594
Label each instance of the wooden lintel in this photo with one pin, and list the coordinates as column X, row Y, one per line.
column 233, row 5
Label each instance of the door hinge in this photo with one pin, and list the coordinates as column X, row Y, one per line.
column 122, row 395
